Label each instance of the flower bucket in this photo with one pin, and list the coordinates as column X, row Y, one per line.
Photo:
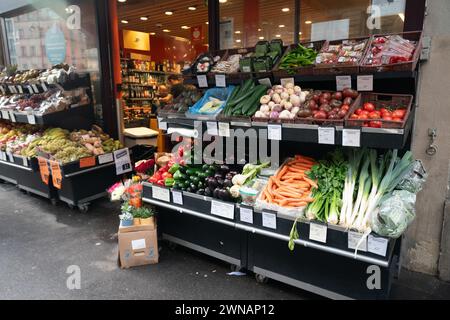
column 148, row 221
column 127, row 223
column 137, row 221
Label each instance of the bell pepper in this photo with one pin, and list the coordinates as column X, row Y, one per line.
column 174, row 168
column 169, row 182
column 160, row 182
column 166, row 175
column 177, row 175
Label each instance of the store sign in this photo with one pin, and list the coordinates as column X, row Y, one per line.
column 55, row 45
column 74, row 19
column 197, row 33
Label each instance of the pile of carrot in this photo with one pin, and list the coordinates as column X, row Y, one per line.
column 291, row 187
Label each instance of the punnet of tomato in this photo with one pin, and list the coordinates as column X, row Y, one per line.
column 375, row 110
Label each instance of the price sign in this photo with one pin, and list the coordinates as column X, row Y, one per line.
column 353, row 240
column 30, row 89
column 377, row 245
column 327, row 135
column 246, row 69
column 44, row 86
column 202, row 81
column 25, row 161
column 122, row 161
column 265, row 82
column 343, row 82
column 222, row 209
column 220, row 80
column 269, row 220
column 12, row 89
column 177, row 197
column 212, row 129
column 56, row 174
column 162, row 194
column 43, row 169
column 12, row 116
column 224, row 129
column 274, row 132
column 2, row 90
column 285, row 81
column 5, row 114
column 87, row 162
column 105, row 158
column 246, row 214
column 19, row 88
column 31, row 118
column 35, row 88
column 10, row 157
column 318, row 232
column 351, row 138
column 3, row 156
column 365, row 83
column 161, row 124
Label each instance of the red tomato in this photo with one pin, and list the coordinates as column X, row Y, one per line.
column 396, row 119
column 375, row 124
column 358, row 111
column 369, row 106
column 365, row 124
column 160, row 182
column 386, row 114
column 354, row 116
column 365, row 112
column 363, row 117
column 375, row 115
column 166, row 175
column 389, row 118
column 384, row 110
column 345, row 107
column 399, row 113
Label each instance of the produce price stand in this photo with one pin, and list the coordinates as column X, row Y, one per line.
column 325, row 261
column 79, row 182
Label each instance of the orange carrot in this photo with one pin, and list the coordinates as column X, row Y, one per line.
column 311, row 182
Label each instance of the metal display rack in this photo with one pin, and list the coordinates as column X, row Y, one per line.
column 265, row 251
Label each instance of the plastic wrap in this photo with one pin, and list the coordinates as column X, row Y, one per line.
column 415, row 179
column 395, row 214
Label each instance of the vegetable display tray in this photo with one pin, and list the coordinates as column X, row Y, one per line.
column 303, row 71
column 341, row 68
column 381, row 100
column 400, row 66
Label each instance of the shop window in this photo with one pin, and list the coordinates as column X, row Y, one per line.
column 23, row 51
column 245, row 22
column 330, row 19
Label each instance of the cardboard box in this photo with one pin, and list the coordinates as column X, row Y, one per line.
column 138, row 246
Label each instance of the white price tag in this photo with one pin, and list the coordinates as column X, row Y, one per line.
column 105, row 158
column 327, row 135
column 30, row 89
column 20, row 90
column 246, row 69
column 353, row 240
column 274, row 132
column 265, row 82
column 318, row 232
column 177, row 197
column 377, row 245
column 246, row 214
column 269, row 220
column 2, row 156
column 12, row 116
column 5, row 114
column 285, row 81
column 365, row 83
column 343, row 82
column 162, row 194
column 202, row 81
column 224, row 129
column 10, row 157
column 31, row 118
column 211, row 128
column 2, row 90
column 122, row 161
column 138, row 244
column 44, row 86
column 12, row 89
column 220, row 80
column 161, row 124
column 35, row 88
column 222, row 209
column 351, row 138
column 25, row 161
